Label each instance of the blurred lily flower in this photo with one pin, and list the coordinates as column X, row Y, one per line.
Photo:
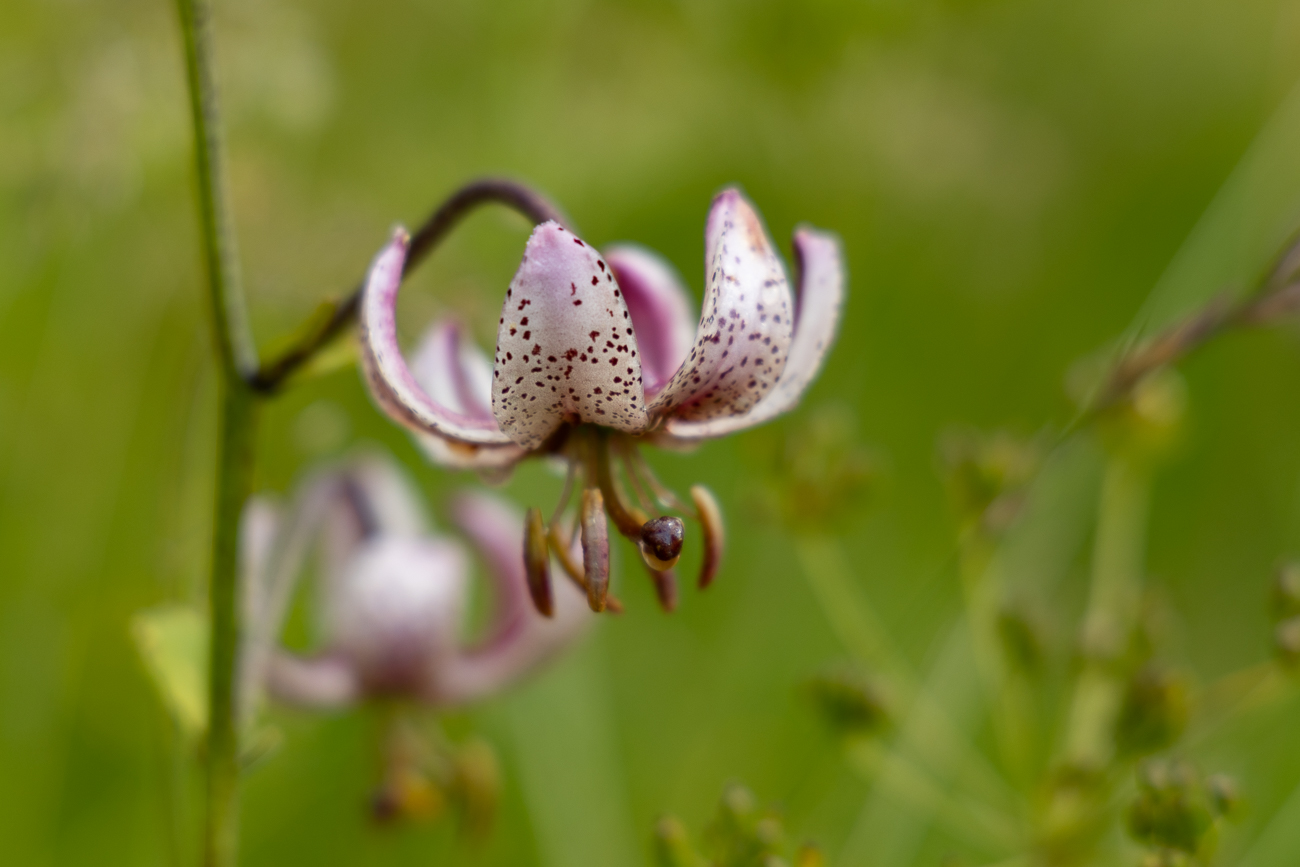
column 598, row 352
column 394, row 595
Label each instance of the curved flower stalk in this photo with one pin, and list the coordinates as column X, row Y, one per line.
column 597, row 352
column 393, row 595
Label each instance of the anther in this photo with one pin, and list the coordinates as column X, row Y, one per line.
column 714, row 533
column 661, row 542
column 595, row 548
column 537, row 563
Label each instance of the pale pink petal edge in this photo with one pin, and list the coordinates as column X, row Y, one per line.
column 819, row 261
column 390, row 380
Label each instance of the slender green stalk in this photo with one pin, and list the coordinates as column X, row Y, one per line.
column 1006, row 694
column 923, row 718
column 237, row 429
column 1111, row 614
column 234, row 484
column 221, row 257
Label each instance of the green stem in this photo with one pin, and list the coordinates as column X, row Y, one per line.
column 1112, row 612
column 1007, row 695
column 924, row 719
column 229, row 319
column 239, row 408
column 237, row 429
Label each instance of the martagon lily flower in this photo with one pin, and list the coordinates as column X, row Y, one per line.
column 596, row 353
column 394, row 595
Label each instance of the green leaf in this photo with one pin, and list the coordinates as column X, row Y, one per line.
column 173, row 642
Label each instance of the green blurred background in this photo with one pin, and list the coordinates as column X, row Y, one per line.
column 1010, row 178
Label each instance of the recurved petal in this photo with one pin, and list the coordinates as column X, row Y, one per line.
column 383, row 498
column 320, row 682
column 565, row 345
column 453, row 371
column 258, row 529
column 820, row 264
column 468, row 456
column 744, row 332
column 661, row 311
column 494, row 529
column 391, row 382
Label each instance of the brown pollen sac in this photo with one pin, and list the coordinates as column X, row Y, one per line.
column 661, row 542
column 537, row 563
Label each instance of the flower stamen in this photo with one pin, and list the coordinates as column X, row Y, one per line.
column 562, row 547
column 714, row 533
column 537, row 563
column 642, row 473
column 595, row 548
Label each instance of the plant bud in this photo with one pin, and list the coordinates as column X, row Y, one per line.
column 1225, row 797
column 1286, row 590
column 1286, row 641
column 1154, row 712
column 476, row 787
column 986, row 475
column 849, row 703
column 1172, row 808
column 672, row 847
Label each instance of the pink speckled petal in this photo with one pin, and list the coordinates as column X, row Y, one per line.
column 565, row 347
column 820, row 265
column 391, row 382
column 745, row 326
column 518, row 638
column 661, row 311
column 453, row 371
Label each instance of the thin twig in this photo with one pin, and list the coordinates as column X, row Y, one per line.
column 533, row 205
column 1276, row 296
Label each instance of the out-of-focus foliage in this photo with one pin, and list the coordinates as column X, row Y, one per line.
column 1176, row 811
column 986, row 475
column 850, row 703
column 1011, row 179
column 173, row 641
column 742, row 834
column 817, row 476
column 1154, row 711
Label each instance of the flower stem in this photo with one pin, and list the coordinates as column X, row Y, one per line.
column 221, row 258
column 1112, row 612
column 234, row 484
column 237, row 358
